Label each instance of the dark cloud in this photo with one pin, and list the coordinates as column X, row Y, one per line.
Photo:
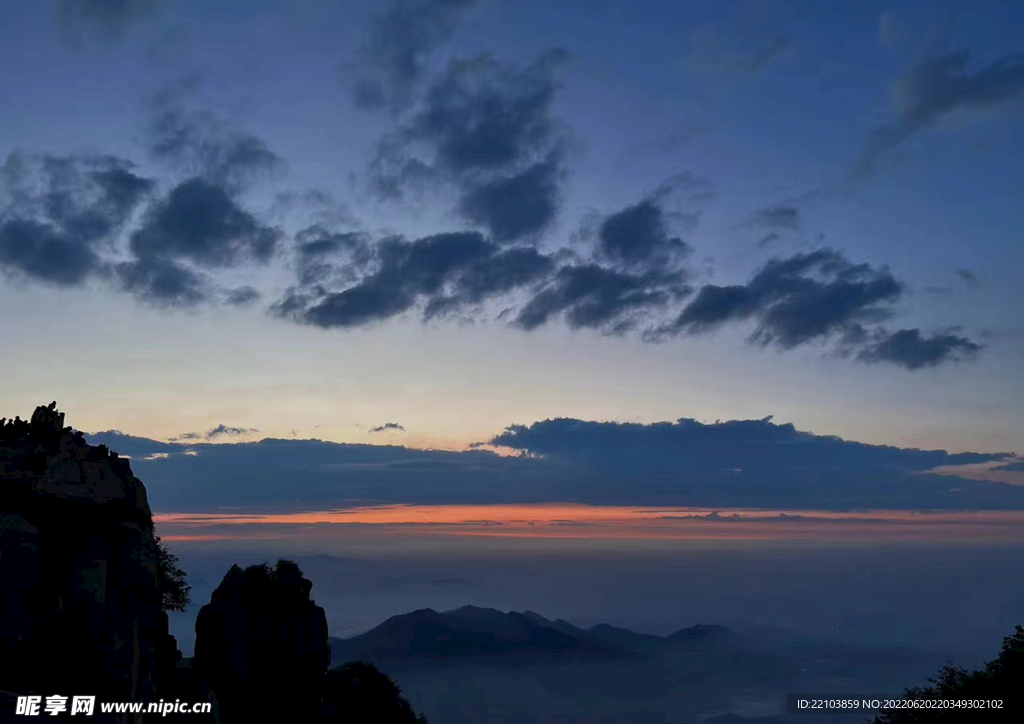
column 58, row 213
column 480, row 115
column 498, row 273
column 755, row 462
column 968, row 276
column 444, row 272
column 222, row 430
column 40, row 252
column 398, row 44
column 639, row 237
column 130, row 445
column 213, row 433
column 714, row 305
column 909, row 349
column 488, row 131
column 940, row 86
column 387, row 426
column 63, row 221
column 324, row 255
column 162, row 282
column 820, row 296
column 90, row 195
column 1016, row 466
column 406, row 273
column 740, row 463
column 347, row 281
column 110, row 18
column 597, row 297
column 807, row 297
column 645, row 235
column 201, row 222
column 512, row 207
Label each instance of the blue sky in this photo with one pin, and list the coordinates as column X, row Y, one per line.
column 825, row 136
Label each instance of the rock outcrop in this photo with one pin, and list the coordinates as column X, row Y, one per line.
column 80, row 603
column 260, row 633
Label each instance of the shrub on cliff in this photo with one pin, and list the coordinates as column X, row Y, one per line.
column 360, row 693
column 1002, row 679
column 175, row 592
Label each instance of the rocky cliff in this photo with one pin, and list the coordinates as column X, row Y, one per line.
column 79, row 592
column 82, row 597
column 260, row 633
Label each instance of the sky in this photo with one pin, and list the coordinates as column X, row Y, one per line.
column 445, row 217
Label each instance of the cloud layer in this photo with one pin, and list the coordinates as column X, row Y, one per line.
column 755, row 463
column 67, row 220
column 482, row 135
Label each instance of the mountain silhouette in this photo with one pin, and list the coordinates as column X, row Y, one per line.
column 427, row 637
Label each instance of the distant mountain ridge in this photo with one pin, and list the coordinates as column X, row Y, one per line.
column 429, row 637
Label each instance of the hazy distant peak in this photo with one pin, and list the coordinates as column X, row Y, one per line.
column 469, row 609
column 701, row 632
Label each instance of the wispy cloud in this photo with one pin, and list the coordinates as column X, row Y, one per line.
column 397, row 46
column 387, row 426
column 710, row 50
column 214, row 433
column 104, row 20
column 938, row 88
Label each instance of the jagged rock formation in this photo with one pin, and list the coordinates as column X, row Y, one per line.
column 79, row 591
column 261, row 632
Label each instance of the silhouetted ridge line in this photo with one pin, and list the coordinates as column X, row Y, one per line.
column 491, row 637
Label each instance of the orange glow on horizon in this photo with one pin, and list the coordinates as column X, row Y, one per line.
column 579, row 521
